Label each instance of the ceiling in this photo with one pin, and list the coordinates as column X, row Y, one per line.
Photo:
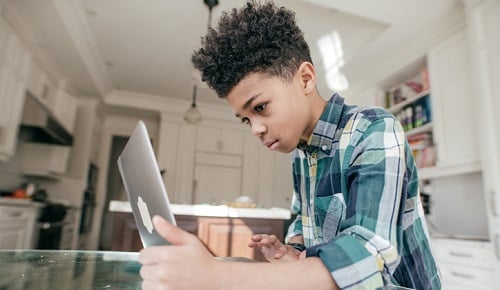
column 112, row 46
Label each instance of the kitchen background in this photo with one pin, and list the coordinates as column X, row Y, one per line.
column 75, row 76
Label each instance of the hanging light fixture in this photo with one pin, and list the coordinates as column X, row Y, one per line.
column 193, row 115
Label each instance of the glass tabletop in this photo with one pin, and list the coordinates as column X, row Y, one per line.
column 49, row 269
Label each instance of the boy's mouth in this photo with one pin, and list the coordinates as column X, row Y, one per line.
column 270, row 144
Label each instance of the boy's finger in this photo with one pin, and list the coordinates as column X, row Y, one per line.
column 171, row 233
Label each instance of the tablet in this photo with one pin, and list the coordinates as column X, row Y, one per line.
column 144, row 186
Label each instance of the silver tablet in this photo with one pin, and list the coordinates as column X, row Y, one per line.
column 144, row 186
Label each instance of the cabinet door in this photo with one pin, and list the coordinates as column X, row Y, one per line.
column 65, row 110
column 227, row 237
column 17, row 227
column 12, row 237
column 484, row 30
column 217, row 178
column 12, row 96
column 219, row 140
column 455, row 132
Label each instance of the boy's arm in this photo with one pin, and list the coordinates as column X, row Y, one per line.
column 173, row 267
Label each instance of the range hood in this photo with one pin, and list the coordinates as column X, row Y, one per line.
column 37, row 125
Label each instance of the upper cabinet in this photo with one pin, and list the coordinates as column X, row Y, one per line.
column 65, row 109
column 456, row 134
column 40, row 86
column 219, row 140
column 14, row 65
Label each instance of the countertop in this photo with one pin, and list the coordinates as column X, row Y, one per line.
column 48, row 269
column 20, row 202
column 213, row 210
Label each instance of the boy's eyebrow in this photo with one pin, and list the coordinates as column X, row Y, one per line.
column 248, row 103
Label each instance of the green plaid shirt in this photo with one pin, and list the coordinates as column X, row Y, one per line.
column 357, row 201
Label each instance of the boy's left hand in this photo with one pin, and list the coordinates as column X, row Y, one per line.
column 273, row 249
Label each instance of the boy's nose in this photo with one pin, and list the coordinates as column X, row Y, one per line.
column 258, row 129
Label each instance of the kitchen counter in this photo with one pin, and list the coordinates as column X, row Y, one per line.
column 42, row 269
column 20, row 202
column 213, row 211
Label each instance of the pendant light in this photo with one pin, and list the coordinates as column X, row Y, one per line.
column 193, row 115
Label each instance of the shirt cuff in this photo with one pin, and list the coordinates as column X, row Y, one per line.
column 349, row 262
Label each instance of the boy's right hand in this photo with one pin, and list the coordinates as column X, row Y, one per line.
column 273, row 249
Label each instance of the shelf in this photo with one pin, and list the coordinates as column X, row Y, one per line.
column 41, row 174
column 440, row 171
column 399, row 106
column 421, row 129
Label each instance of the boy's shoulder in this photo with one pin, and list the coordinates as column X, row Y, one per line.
column 368, row 113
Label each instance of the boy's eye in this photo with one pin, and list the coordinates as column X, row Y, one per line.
column 245, row 121
column 259, row 108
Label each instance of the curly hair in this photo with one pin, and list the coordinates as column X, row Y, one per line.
column 259, row 38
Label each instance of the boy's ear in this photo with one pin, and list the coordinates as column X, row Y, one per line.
column 307, row 77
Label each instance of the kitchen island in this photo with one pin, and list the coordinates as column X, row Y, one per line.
column 225, row 230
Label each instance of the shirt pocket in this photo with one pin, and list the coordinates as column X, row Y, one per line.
column 334, row 210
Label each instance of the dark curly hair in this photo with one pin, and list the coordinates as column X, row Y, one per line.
column 255, row 38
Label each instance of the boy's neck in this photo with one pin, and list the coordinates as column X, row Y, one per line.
column 318, row 105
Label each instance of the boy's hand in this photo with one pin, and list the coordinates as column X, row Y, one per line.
column 273, row 249
column 172, row 267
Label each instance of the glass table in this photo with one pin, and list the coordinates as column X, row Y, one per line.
column 49, row 269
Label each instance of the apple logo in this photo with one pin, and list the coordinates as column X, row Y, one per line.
column 146, row 218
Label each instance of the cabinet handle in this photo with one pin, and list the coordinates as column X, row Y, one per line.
column 493, row 203
column 193, row 190
column 462, row 275
column 220, row 146
column 15, row 214
column 459, row 254
column 496, row 245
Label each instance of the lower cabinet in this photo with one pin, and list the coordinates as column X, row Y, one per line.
column 224, row 237
column 465, row 264
column 229, row 237
column 17, row 227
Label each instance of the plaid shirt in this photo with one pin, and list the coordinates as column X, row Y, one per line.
column 357, row 201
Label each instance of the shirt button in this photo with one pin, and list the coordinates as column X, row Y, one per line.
column 324, row 147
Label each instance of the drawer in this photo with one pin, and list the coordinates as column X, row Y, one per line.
column 466, row 277
column 467, row 253
column 14, row 214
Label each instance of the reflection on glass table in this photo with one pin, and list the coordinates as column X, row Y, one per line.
column 48, row 269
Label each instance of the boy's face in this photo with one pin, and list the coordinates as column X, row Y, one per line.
column 277, row 112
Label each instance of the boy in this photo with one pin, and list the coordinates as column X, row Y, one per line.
column 360, row 223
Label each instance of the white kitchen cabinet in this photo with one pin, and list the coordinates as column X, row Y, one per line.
column 217, row 178
column 45, row 160
column 219, row 140
column 39, row 85
column 464, row 264
column 64, row 108
column 14, row 62
column 455, row 135
column 483, row 23
column 17, row 227
column 267, row 175
column 12, row 100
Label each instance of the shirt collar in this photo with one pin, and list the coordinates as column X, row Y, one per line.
column 324, row 131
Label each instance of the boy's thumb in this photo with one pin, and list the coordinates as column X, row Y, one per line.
column 171, row 233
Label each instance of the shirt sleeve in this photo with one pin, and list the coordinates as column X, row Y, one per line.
column 366, row 247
